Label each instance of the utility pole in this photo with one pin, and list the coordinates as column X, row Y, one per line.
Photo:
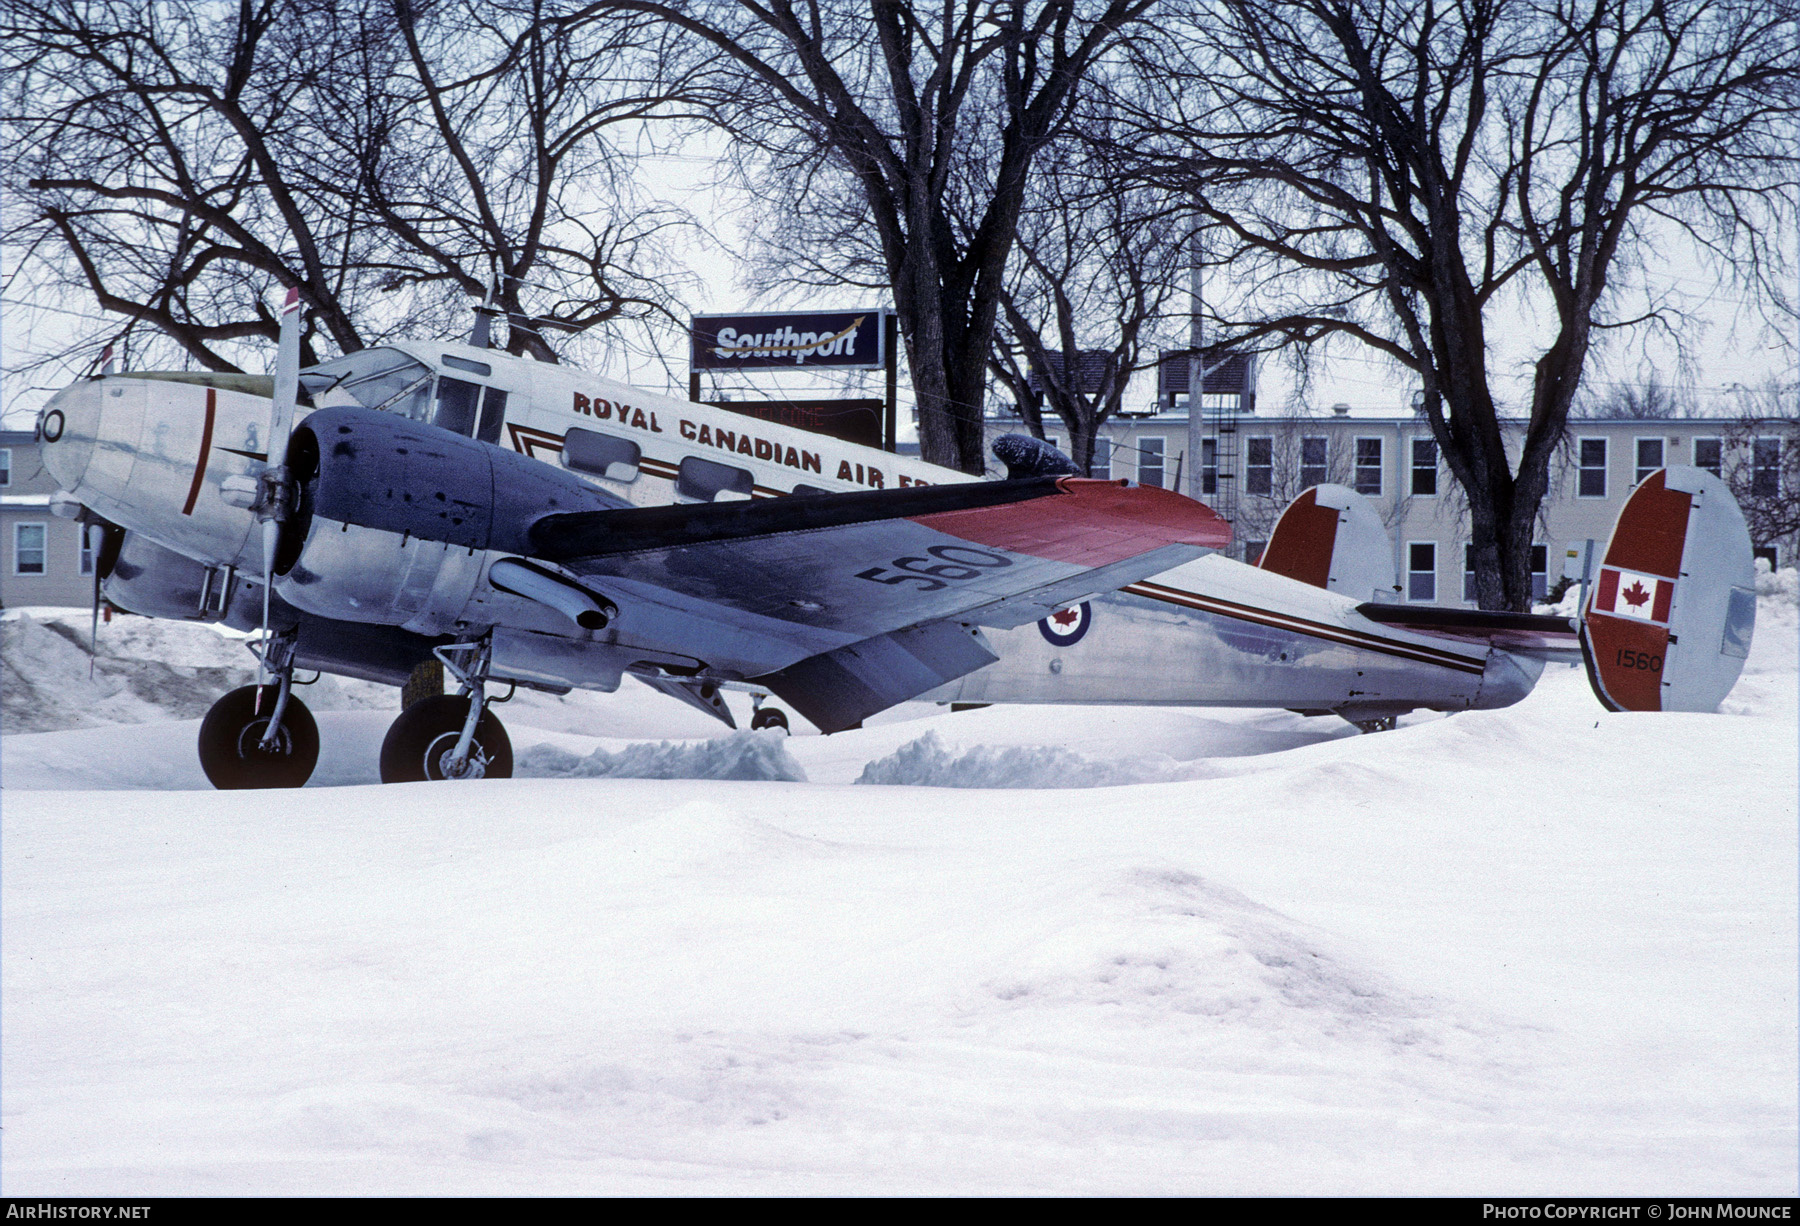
column 1196, row 367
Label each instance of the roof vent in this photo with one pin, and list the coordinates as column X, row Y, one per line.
column 1340, row 409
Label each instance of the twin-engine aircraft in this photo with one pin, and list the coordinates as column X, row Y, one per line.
column 534, row 525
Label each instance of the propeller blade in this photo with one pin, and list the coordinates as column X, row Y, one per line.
column 287, row 381
column 94, row 535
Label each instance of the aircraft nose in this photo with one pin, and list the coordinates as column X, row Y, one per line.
column 66, row 429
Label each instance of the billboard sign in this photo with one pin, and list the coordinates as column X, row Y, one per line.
column 841, row 340
column 854, row 421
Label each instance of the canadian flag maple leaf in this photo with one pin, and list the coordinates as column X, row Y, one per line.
column 1066, row 617
column 1634, row 595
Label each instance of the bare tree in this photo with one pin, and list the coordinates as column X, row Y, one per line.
column 1760, row 461
column 1097, row 263
column 926, row 121
column 1398, row 173
column 1650, row 400
column 387, row 158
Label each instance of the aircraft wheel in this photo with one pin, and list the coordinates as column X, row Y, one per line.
column 231, row 735
column 770, row 717
column 418, row 743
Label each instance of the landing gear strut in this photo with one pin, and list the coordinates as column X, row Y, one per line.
column 261, row 736
column 450, row 736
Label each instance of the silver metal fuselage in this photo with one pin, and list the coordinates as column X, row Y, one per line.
column 151, row 455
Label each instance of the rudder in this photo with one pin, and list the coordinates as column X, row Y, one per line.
column 1669, row 621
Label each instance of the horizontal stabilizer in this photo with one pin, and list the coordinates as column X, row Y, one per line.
column 1541, row 636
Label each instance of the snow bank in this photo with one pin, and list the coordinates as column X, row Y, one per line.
column 742, row 755
column 147, row 671
column 928, row 762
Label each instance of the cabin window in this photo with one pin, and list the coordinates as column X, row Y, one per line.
column 474, row 368
column 1259, row 466
column 1313, row 466
column 1708, row 454
column 28, row 549
column 1368, row 467
column 1765, row 466
column 709, row 481
column 1424, row 468
column 493, row 414
column 1421, row 570
column 812, row 489
column 603, row 455
column 1591, row 479
column 456, row 405
column 1649, row 458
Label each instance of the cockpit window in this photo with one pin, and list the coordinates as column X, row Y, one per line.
column 391, row 381
column 383, row 379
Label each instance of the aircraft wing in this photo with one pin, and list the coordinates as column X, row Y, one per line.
column 880, row 588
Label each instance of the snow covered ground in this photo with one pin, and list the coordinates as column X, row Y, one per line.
column 1543, row 950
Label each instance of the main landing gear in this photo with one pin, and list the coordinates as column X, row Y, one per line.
column 450, row 736
column 766, row 717
column 261, row 736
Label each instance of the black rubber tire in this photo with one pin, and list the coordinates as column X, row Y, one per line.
column 426, row 731
column 231, row 731
column 770, row 717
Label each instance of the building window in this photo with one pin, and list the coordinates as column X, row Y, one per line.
column 1709, row 454
column 1150, row 462
column 1424, row 468
column 1649, row 459
column 1259, row 466
column 1592, row 480
column 28, row 549
column 1765, row 466
column 1313, row 466
column 5, row 466
column 1540, row 571
column 1769, row 553
column 1209, row 466
column 1100, row 468
column 1421, row 570
column 1469, row 572
column 1368, row 467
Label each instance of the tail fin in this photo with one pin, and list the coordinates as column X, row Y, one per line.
column 1331, row 537
column 1669, row 621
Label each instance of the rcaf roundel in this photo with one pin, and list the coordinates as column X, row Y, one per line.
column 1630, row 593
column 1066, row 627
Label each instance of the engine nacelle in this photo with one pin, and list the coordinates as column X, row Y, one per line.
column 398, row 523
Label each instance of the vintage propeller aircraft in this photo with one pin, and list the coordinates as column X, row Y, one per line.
column 534, row 525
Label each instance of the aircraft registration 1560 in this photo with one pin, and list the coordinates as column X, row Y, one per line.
column 532, row 524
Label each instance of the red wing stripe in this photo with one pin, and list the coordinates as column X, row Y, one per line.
column 206, row 433
column 1336, row 634
column 1087, row 523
